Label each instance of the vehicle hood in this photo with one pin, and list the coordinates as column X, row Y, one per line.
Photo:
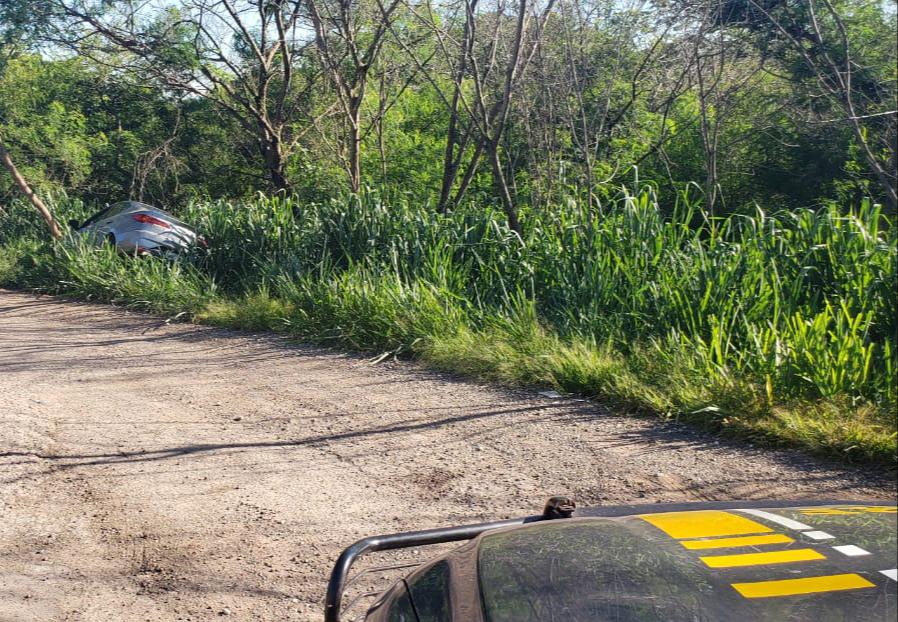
column 811, row 564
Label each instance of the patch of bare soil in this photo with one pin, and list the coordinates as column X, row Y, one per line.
column 153, row 471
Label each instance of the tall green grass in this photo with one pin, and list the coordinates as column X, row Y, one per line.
column 778, row 326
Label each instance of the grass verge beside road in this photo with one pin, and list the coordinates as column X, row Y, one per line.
column 780, row 329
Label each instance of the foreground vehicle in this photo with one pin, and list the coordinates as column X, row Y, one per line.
column 136, row 228
column 798, row 561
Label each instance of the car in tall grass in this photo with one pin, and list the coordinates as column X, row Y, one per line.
column 139, row 229
column 699, row 562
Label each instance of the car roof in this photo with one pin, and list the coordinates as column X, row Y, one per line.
column 737, row 561
column 129, row 207
column 130, row 203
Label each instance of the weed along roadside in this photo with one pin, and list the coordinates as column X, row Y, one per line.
column 776, row 328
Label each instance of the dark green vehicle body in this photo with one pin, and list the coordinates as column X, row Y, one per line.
column 748, row 562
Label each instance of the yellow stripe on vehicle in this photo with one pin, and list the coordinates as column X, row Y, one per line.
column 704, row 524
column 807, row 585
column 831, row 512
column 762, row 559
column 844, row 510
column 721, row 543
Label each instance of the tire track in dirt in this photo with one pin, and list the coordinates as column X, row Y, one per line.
column 176, row 472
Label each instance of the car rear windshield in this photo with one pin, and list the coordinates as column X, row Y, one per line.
column 625, row 569
column 109, row 212
column 98, row 216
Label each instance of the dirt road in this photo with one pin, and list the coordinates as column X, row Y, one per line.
column 153, row 471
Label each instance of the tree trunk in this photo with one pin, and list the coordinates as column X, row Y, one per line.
column 502, row 186
column 355, row 146
column 467, row 178
column 381, row 114
column 355, row 164
column 451, row 163
column 275, row 164
column 452, row 160
column 28, row 192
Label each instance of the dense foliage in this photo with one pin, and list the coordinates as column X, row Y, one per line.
column 779, row 326
column 699, row 93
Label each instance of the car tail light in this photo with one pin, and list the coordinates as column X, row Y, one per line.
column 150, row 220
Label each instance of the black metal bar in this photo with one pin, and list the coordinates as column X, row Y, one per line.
column 335, row 586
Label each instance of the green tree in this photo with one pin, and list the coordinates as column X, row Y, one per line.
column 841, row 54
column 14, row 33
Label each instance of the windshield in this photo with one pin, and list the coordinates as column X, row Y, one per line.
column 109, row 212
column 104, row 213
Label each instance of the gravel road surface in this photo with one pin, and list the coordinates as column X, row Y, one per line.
column 155, row 472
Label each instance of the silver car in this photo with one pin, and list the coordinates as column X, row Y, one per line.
column 136, row 228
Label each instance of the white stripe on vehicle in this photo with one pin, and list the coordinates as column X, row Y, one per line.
column 851, row 551
column 779, row 520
